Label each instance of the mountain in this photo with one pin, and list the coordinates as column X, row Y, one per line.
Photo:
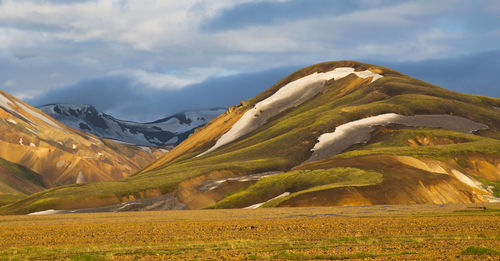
column 56, row 154
column 164, row 132
column 335, row 133
column 17, row 181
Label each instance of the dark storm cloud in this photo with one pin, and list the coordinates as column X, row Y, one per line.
column 125, row 98
column 122, row 97
column 473, row 74
column 112, row 53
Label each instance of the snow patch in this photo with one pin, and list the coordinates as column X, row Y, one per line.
column 491, row 199
column 21, row 142
column 359, row 131
column 81, row 178
column 164, row 150
column 6, row 103
column 60, row 163
column 94, row 139
column 260, row 204
column 291, row 95
column 172, row 140
column 39, row 116
column 213, row 184
column 468, row 181
column 152, row 134
column 12, row 121
column 32, row 144
column 30, row 130
column 45, row 212
column 74, row 147
column 146, row 149
column 121, row 142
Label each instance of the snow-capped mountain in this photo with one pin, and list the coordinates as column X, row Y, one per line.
column 55, row 154
column 167, row 131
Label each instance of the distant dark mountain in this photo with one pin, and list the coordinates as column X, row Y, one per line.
column 167, row 131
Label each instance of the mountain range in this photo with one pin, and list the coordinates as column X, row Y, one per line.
column 168, row 131
column 37, row 152
column 336, row 133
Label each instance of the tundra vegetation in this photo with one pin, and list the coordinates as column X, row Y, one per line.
column 377, row 232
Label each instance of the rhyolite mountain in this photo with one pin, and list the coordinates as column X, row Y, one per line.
column 17, row 181
column 37, row 152
column 332, row 134
column 168, row 131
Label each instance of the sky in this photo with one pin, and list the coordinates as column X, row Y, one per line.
column 146, row 59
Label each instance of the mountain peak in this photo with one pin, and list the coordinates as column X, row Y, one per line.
column 168, row 131
column 58, row 153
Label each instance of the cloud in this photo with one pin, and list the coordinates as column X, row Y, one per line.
column 135, row 100
column 125, row 98
column 9, row 83
column 272, row 12
column 154, row 45
column 468, row 73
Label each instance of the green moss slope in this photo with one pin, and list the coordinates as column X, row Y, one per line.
column 16, row 182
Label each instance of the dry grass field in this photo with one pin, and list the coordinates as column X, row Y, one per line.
column 428, row 232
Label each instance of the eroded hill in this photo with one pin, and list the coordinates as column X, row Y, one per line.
column 58, row 154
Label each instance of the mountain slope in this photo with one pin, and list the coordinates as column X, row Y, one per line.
column 164, row 132
column 335, row 133
column 62, row 155
column 17, row 179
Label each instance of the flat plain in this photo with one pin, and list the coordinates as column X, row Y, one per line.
column 384, row 232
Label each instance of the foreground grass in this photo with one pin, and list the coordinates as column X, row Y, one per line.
column 9, row 198
column 260, row 234
column 330, row 249
column 479, row 251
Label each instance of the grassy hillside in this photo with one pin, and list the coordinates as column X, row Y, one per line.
column 16, row 182
column 298, row 182
column 285, row 142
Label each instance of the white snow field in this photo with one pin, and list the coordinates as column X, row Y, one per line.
column 467, row 180
column 262, row 203
column 170, row 130
column 45, row 212
column 355, row 132
column 291, row 95
column 6, row 104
